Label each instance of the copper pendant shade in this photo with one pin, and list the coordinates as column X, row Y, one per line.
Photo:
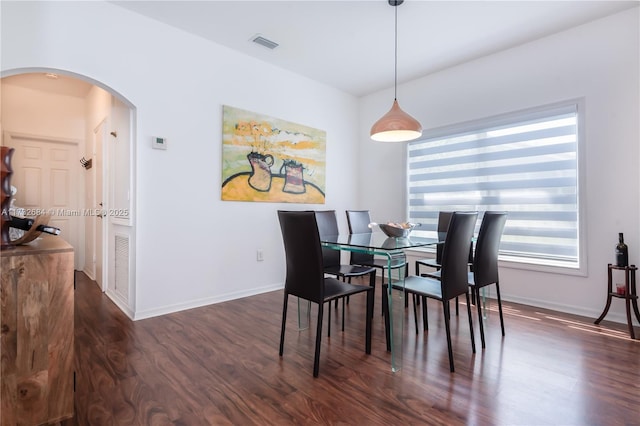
column 396, row 125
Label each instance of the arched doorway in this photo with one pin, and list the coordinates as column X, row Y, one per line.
column 50, row 114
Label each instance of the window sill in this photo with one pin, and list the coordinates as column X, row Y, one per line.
column 535, row 265
column 539, row 265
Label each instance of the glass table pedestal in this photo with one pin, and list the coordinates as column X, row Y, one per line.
column 378, row 244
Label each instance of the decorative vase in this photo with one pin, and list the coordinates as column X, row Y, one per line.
column 5, row 192
column 260, row 178
column 293, row 177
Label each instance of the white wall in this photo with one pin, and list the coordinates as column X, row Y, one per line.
column 598, row 61
column 192, row 249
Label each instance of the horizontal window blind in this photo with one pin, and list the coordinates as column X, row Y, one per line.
column 525, row 164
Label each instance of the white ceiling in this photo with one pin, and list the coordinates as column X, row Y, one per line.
column 60, row 85
column 350, row 44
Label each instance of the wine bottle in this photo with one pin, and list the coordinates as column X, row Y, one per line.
column 25, row 224
column 622, row 252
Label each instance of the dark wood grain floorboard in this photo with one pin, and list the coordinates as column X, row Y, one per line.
column 219, row 365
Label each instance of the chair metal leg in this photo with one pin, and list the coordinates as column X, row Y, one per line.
column 382, row 285
column 415, row 310
column 473, row 340
column 329, row 320
column 284, row 320
column 372, row 284
column 447, row 317
column 476, row 295
column 316, row 358
column 369, row 320
column 425, row 317
column 500, row 307
column 406, row 274
column 343, row 314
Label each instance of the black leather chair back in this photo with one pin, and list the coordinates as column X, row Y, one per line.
column 328, row 225
column 303, row 253
column 485, row 262
column 443, row 225
column 358, row 221
column 455, row 254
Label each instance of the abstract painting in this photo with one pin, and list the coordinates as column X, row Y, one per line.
column 271, row 160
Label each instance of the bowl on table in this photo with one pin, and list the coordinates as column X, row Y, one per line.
column 397, row 230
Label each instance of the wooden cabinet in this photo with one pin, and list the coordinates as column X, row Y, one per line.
column 36, row 332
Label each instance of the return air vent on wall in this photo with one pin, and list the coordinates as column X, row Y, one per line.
column 122, row 266
column 259, row 39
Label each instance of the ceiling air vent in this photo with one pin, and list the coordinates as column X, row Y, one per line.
column 264, row 41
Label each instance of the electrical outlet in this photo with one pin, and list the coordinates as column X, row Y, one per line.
column 259, row 255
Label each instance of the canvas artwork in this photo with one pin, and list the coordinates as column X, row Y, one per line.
column 272, row 160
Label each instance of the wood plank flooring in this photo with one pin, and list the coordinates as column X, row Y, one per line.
column 219, row 365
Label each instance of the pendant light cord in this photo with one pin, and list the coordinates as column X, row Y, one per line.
column 395, row 64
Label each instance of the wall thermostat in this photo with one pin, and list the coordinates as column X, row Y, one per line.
column 159, row 143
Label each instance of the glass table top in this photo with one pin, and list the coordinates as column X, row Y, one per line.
column 376, row 241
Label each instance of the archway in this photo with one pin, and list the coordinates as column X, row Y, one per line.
column 43, row 105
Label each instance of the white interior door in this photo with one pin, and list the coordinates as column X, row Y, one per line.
column 45, row 173
column 100, row 205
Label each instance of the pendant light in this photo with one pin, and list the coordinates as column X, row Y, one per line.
column 396, row 125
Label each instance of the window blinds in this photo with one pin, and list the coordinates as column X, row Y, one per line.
column 525, row 164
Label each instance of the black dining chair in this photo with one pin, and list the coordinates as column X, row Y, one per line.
column 358, row 222
column 453, row 280
column 485, row 262
column 443, row 225
column 327, row 226
column 305, row 276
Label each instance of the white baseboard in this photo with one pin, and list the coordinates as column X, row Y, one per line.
column 150, row 313
column 121, row 304
column 168, row 309
column 612, row 315
column 89, row 274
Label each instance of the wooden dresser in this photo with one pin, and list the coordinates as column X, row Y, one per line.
column 36, row 325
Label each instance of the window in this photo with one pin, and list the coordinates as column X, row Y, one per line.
column 525, row 163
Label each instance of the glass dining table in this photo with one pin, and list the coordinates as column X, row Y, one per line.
column 392, row 249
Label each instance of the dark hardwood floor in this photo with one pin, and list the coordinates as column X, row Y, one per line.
column 219, row 365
